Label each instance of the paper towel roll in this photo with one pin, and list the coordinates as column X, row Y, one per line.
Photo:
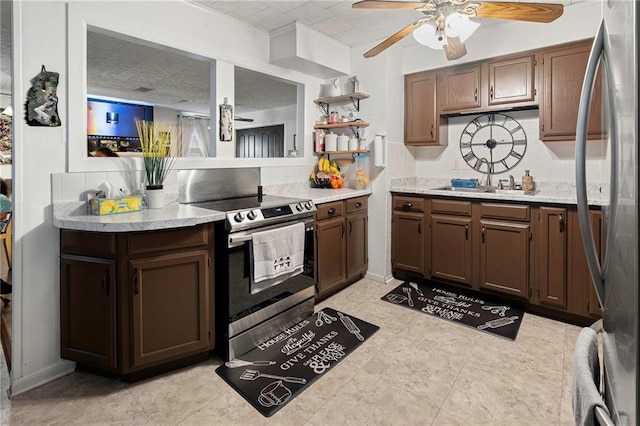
column 378, row 151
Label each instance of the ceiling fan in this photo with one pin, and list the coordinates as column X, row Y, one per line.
column 446, row 23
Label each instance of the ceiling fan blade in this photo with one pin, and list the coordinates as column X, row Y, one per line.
column 530, row 12
column 396, row 5
column 394, row 38
column 454, row 49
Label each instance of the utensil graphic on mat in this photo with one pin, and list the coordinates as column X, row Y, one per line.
column 235, row 363
column 395, row 298
column 322, row 316
column 498, row 322
column 249, row 374
column 349, row 325
column 415, row 286
column 500, row 310
column 408, row 291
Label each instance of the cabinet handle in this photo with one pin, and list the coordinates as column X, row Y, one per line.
column 350, row 227
column 475, row 94
column 491, row 92
column 407, row 205
column 419, row 228
column 331, row 211
column 358, row 205
column 466, row 232
column 342, row 225
column 560, row 223
column 483, row 234
column 105, row 282
column 432, row 131
column 135, row 282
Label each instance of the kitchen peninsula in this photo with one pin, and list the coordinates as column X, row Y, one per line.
column 138, row 290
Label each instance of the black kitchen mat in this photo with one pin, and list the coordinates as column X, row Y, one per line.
column 278, row 370
column 458, row 306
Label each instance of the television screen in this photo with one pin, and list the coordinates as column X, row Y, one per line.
column 116, row 119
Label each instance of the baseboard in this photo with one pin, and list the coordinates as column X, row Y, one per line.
column 42, row 376
column 379, row 278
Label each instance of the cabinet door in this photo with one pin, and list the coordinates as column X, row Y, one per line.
column 330, row 253
column 460, row 88
column 512, row 80
column 420, row 112
column 552, row 256
column 504, row 257
column 170, row 306
column 563, row 73
column 357, row 244
column 451, row 239
column 88, row 311
column 407, row 242
column 583, row 299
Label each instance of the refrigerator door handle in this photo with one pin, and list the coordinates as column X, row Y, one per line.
column 600, row 49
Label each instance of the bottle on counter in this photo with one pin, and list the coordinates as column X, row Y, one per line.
column 527, row 182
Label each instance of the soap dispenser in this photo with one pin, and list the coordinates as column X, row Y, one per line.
column 527, row 182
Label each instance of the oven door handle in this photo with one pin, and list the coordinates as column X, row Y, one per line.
column 240, row 238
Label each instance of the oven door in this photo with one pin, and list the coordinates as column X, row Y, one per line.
column 246, row 310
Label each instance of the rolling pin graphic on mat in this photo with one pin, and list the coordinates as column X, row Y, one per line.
column 498, row 322
column 349, row 325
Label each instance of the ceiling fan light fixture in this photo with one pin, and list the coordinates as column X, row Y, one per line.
column 427, row 35
column 459, row 25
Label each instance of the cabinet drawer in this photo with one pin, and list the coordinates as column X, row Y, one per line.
column 167, row 239
column 356, row 204
column 451, row 206
column 100, row 244
column 329, row 210
column 505, row 211
column 413, row 204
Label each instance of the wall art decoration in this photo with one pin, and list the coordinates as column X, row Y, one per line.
column 42, row 100
column 226, row 121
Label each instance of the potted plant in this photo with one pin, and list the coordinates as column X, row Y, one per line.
column 155, row 142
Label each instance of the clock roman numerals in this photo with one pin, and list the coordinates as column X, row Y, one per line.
column 496, row 137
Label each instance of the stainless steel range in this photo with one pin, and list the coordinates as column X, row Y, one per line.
column 246, row 318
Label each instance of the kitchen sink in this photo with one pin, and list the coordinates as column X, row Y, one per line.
column 461, row 189
column 487, row 189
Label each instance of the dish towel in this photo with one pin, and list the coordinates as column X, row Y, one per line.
column 278, row 254
column 586, row 378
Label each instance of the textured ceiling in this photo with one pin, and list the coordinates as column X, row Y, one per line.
column 118, row 66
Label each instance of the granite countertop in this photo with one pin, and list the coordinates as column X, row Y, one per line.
column 547, row 192
column 74, row 215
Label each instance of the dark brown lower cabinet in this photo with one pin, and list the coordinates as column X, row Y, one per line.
column 342, row 237
column 504, row 257
column 451, row 248
column 141, row 301
column 169, row 304
column 407, row 242
column 552, row 257
column 331, row 253
column 88, row 307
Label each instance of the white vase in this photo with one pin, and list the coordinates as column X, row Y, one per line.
column 155, row 198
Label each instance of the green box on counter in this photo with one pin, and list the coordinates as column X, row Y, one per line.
column 108, row 206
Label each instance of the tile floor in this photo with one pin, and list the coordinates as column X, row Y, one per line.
column 416, row 370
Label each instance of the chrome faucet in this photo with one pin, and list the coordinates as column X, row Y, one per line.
column 484, row 160
column 512, row 182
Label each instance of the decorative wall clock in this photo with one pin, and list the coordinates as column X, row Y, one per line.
column 497, row 137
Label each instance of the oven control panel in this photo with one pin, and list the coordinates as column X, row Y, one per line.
column 259, row 216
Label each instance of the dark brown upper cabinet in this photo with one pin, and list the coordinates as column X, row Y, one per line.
column 512, row 80
column 563, row 70
column 422, row 123
column 460, row 88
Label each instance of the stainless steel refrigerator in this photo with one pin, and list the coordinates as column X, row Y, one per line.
column 616, row 279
